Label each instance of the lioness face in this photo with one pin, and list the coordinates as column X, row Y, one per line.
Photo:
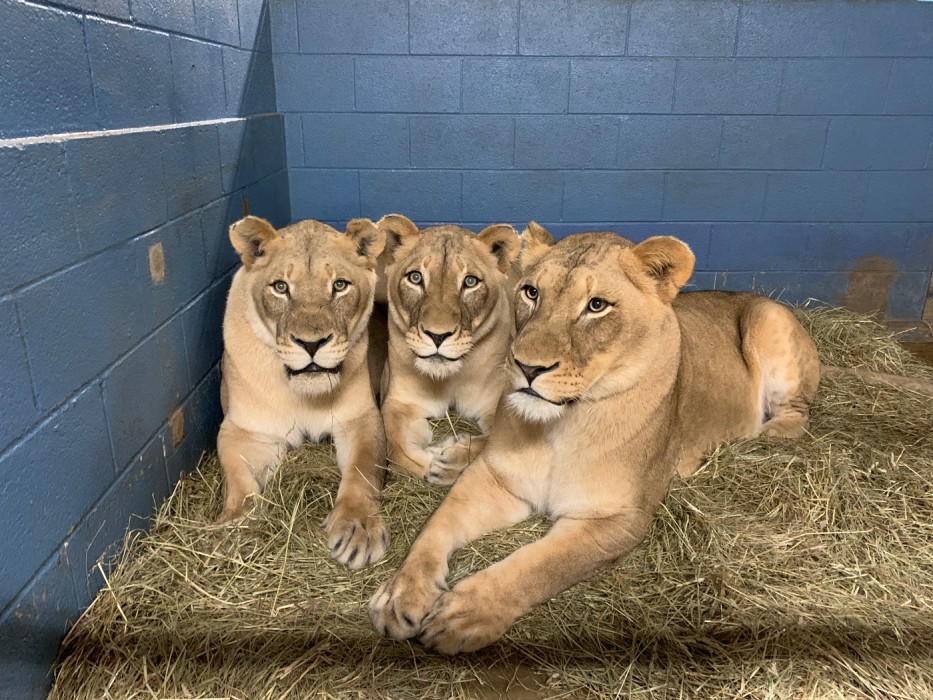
column 443, row 285
column 588, row 313
column 312, row 291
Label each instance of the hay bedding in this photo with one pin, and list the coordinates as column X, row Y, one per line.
column 781, row 570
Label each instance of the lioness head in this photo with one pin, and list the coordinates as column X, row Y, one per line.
column 591, row 312
column 443, row 284
column 312, row 293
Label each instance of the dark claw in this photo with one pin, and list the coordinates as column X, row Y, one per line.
column 385, row 630
column 385, row 538
column 408, row 620
column 339, row 544
column 353, row 554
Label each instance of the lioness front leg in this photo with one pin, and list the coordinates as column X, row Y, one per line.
column 356, row 531
column 481, row 608
column 247, row 462
column 476, row 504
column 408, row 434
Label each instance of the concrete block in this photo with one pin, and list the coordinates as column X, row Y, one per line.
column 132, row 71
column 32, row 630
column 909, row 90
column 355, row 140
column 804, row 29
column 787, row 287
column 861, row 247
column 407, row 84
column 834, row 85
column 307, row 83
column 78, row 322
column 355, row 26
column 668, row 141
column 462, row 141
column 756, row 246
column 622, row 85
column 728, row 86
column 219, row 255
column 682, row 28
column 283, row 20
column 202, row 421
column 907, row 296
column 255, row 26
column 569, row 28
column 144, row 388
column 613, row 196
column 889, row 29
column 203, row 326
column 816, row 196
column 515, row 85
column 249, row 82
column 877, row 143
column 175, row 16
column 44, row 76
column 69, row 450
column 183, row 267
column 772, row 142
column 700, row 281
column 250, row 150
column 127, row 505
column 463, row 27
column 900, row 196
column 37, row 215
column 423, row 195
column 118, row 9
column 19, row 408
column 566, row 142
column 191, row 164
column 694, row 234
column 713, row 196
column 516, row 197
column 218, row 21
column 331, row 195
column 198, row 74
column 118, row 186
column 294, row 141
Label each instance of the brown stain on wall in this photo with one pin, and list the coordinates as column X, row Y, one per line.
column 157, row 263
column 869, row 284
column 177, row 425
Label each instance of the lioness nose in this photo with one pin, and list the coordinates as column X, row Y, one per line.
column 312, row 346
column 438, row 338
column 533, row 371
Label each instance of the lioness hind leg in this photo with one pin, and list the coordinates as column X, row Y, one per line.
column 789, row 369
column 246, row 462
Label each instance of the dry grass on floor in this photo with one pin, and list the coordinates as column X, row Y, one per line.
column 781, row 570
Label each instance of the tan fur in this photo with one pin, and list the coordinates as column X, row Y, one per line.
column 632, row 393
column 272, row 402
column 419, row 384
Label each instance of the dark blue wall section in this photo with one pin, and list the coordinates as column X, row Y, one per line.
column 779, row 137
column 125, row 133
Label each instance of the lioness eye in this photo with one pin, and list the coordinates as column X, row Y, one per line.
column 470, row 281
column 530, row 292
column 414, row 277
column 280, row 286
column 340, row 285
column 596, row 304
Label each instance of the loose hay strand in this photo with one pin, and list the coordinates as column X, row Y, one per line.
column 782, row 569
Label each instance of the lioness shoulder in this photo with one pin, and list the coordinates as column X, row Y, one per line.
column 294, row 367
column 616, row 384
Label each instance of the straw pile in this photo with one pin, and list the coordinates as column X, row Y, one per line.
column 781, row 570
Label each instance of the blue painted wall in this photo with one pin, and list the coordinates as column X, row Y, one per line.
column 789, row 143
column 122, row 128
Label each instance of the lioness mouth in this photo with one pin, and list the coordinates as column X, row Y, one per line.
column 438, row 356
column 312, row 368
column 531, row 392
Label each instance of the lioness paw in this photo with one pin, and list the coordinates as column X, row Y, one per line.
column 462, row 621
column 448, row 459
column 356, row 540
column 401, row 603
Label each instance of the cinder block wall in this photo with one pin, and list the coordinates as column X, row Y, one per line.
column 789, row 143
column 128, row 133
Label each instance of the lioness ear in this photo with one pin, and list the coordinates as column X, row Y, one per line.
column 535, row 243
column 503, row 242
column 250, row 236
column 400, row 231
column 369, row 240
column 668, row 261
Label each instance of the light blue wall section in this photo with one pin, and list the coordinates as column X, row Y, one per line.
column 121, row 129
column 786, row 138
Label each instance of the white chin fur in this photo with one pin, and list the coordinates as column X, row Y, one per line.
column 438, row 369
column 533, row 409
column 314, row 385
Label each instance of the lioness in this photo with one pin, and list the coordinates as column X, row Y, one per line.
column 294, row 368
column 450, row 323
column 617, row 383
